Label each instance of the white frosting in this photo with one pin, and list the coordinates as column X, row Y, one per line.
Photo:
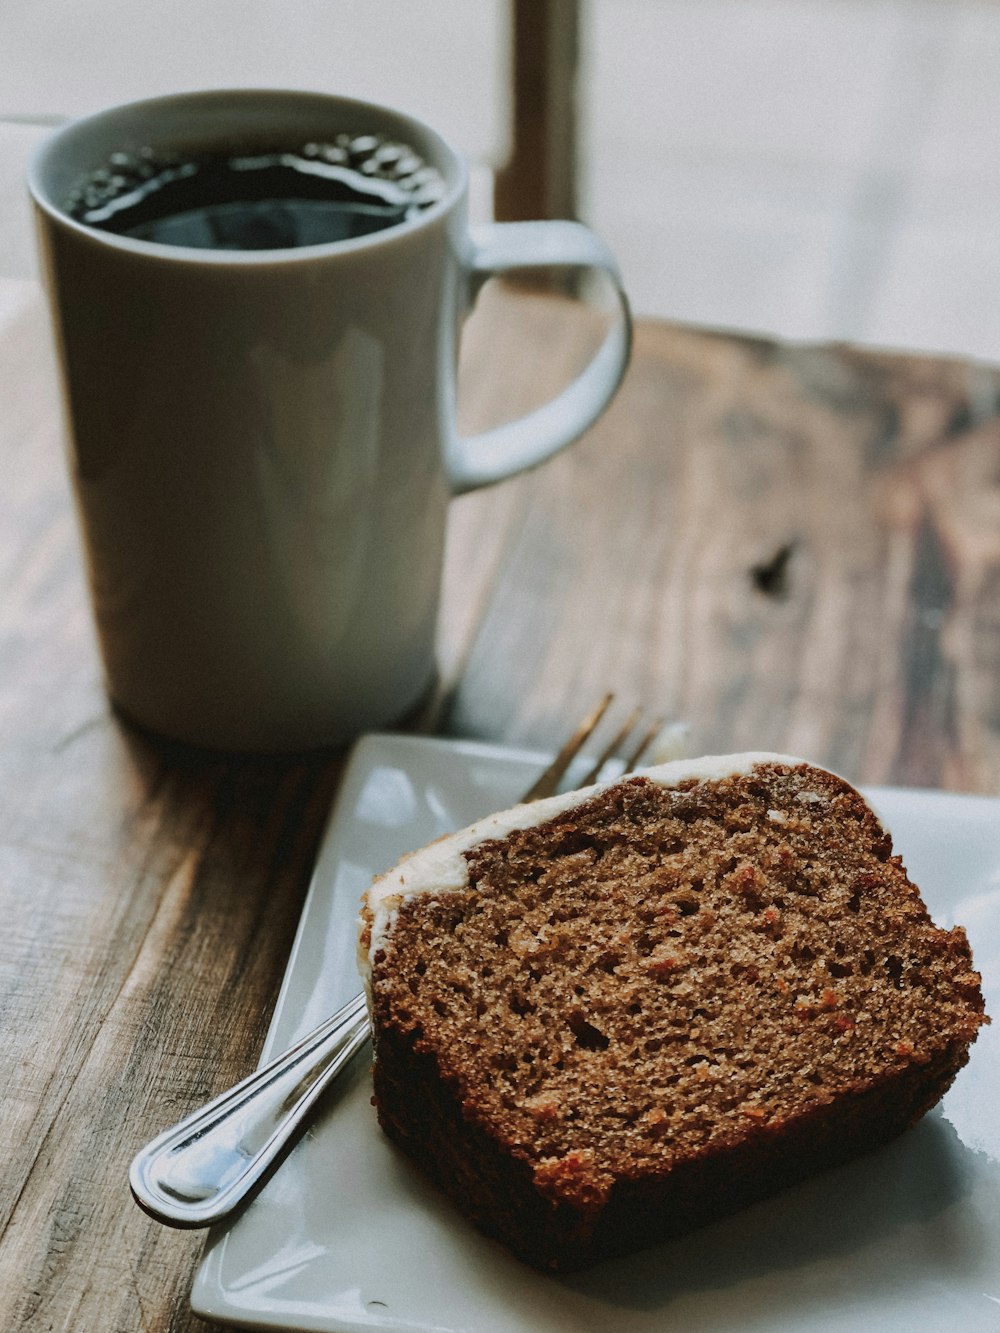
column 441, row 866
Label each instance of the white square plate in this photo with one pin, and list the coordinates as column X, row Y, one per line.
column 346, row 1236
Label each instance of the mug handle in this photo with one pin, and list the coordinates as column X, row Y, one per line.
column 496, row 248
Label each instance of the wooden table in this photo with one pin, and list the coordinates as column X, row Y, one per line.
column 786, row 548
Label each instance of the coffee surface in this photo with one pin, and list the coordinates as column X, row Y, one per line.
column 259, row 200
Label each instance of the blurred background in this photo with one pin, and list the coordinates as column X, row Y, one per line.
column 808, row 168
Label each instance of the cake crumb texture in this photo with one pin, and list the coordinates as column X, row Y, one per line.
column 663, row 1004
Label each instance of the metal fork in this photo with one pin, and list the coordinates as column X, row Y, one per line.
column 201, row 1170
column 638, row 737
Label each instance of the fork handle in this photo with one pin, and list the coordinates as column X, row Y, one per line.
column 199, row 1171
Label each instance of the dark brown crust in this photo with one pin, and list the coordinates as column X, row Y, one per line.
column 547, row 1129
column 496, row 1192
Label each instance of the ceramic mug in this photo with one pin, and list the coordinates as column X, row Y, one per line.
column 263, row 442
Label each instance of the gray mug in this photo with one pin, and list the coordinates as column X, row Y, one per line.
column 263, row 443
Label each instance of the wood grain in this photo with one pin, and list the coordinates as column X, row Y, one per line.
column 149, row 896
column 637, row 558
column 789, row 548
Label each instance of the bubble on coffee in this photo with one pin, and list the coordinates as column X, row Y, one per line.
column 259, row 199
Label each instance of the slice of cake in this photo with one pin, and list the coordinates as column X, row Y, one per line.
column 603, row 1018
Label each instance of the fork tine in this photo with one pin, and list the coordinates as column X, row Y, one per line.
column 549, row 780
column 645, row 740
column 612, row 747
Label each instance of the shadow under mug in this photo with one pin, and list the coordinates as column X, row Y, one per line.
column 262, row 442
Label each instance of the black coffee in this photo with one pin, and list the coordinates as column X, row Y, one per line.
column 266, row 200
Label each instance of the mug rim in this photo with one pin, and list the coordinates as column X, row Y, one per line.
column 451, row 163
